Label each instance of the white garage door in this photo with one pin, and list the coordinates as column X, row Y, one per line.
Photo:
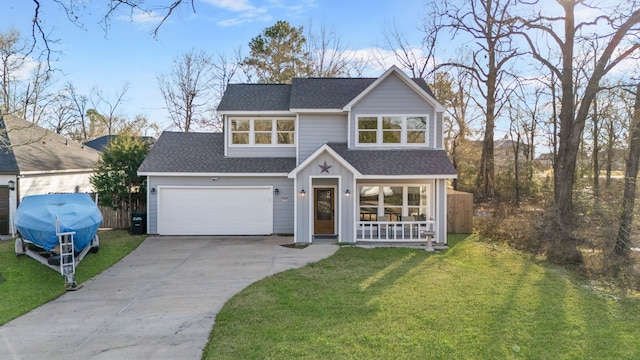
column 215, row 211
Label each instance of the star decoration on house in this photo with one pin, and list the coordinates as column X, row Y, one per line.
column 324, row 168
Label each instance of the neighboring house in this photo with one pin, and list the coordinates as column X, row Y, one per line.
column 103, row 141
column 352, row 159
column 504, row 151
column 34, row 161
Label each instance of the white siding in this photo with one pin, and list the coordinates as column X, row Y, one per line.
column 51, row 183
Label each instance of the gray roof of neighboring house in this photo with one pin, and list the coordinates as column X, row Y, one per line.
column 103, row 141
column 302, row 93
column 396, row 162
column 25, row 146
column 204, row 153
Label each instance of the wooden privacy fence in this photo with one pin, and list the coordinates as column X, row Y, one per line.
column 459, row 212
column 120, row 218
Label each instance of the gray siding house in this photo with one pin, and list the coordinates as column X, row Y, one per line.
column 351, row 159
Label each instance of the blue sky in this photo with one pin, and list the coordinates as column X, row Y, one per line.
column 128, row 53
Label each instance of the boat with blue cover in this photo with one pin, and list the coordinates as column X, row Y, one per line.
column 63, row 227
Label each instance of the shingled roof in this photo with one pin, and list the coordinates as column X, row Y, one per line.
column 176, row 152
column 26, row 147
column 396, row 162
column 302, row 93
column 256, row 97
column 102, row 142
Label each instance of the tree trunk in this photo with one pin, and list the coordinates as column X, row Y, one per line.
column 631, row 174
column 517, row 169
column 610, row 143
column 594, row 154
column 568, row 141
column 486, row 176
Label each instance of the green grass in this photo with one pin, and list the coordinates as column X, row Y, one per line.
column 28, row 284
column 477, row 300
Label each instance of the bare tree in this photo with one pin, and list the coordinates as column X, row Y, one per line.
column 489, row 24
column 418, row 60
column 326, row 54
column 12, row 59
column 60, row 118
column 453, row 89
column 79, row 110
column 36, row 96
column 225, row 70
column 617, row 32
column 108, row 107
column 631, row 175
column 187, row 88
column 76, row 10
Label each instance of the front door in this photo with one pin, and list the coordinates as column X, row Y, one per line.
column 4, row 210
column 324, row 213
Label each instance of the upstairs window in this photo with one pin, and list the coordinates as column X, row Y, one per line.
column 285, row 131
column 240, row 130
column 262, row 131
column 367, row 130
column 392, row 130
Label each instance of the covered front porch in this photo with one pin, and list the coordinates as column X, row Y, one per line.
column 410, row 231
column 408, row 210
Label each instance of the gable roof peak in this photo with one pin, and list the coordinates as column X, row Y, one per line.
column 412, row 83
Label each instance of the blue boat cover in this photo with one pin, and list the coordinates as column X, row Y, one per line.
column 36, row 216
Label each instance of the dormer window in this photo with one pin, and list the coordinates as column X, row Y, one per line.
column 263, row 131
column 392, row 129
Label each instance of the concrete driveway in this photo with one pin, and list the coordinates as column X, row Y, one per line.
column 159, row 302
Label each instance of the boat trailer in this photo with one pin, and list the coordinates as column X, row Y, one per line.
column 64, row 260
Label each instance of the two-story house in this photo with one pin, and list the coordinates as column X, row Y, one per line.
column 355, row 159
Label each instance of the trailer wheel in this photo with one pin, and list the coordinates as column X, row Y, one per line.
column 20, row 250
column 95, row 245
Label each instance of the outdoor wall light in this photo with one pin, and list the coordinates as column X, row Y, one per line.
column 302, row 193
column 347, row 193
column 12, row 185
column 153, row 191
column 276, row 191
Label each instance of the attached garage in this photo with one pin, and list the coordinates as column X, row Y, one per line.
column 215, row 210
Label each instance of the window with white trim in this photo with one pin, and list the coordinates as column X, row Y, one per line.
column 263, row 131
column 392, row 129
column 395, row 202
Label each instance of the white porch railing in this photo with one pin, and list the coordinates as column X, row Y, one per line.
column 395, row 230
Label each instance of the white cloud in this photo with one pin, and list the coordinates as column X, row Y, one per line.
column 244, row 11
column 232, row 5
column 25, row 71
column 143, row 17
column 295, row 6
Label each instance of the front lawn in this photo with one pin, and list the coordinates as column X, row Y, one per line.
column 28, row 284
column 478, row 300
